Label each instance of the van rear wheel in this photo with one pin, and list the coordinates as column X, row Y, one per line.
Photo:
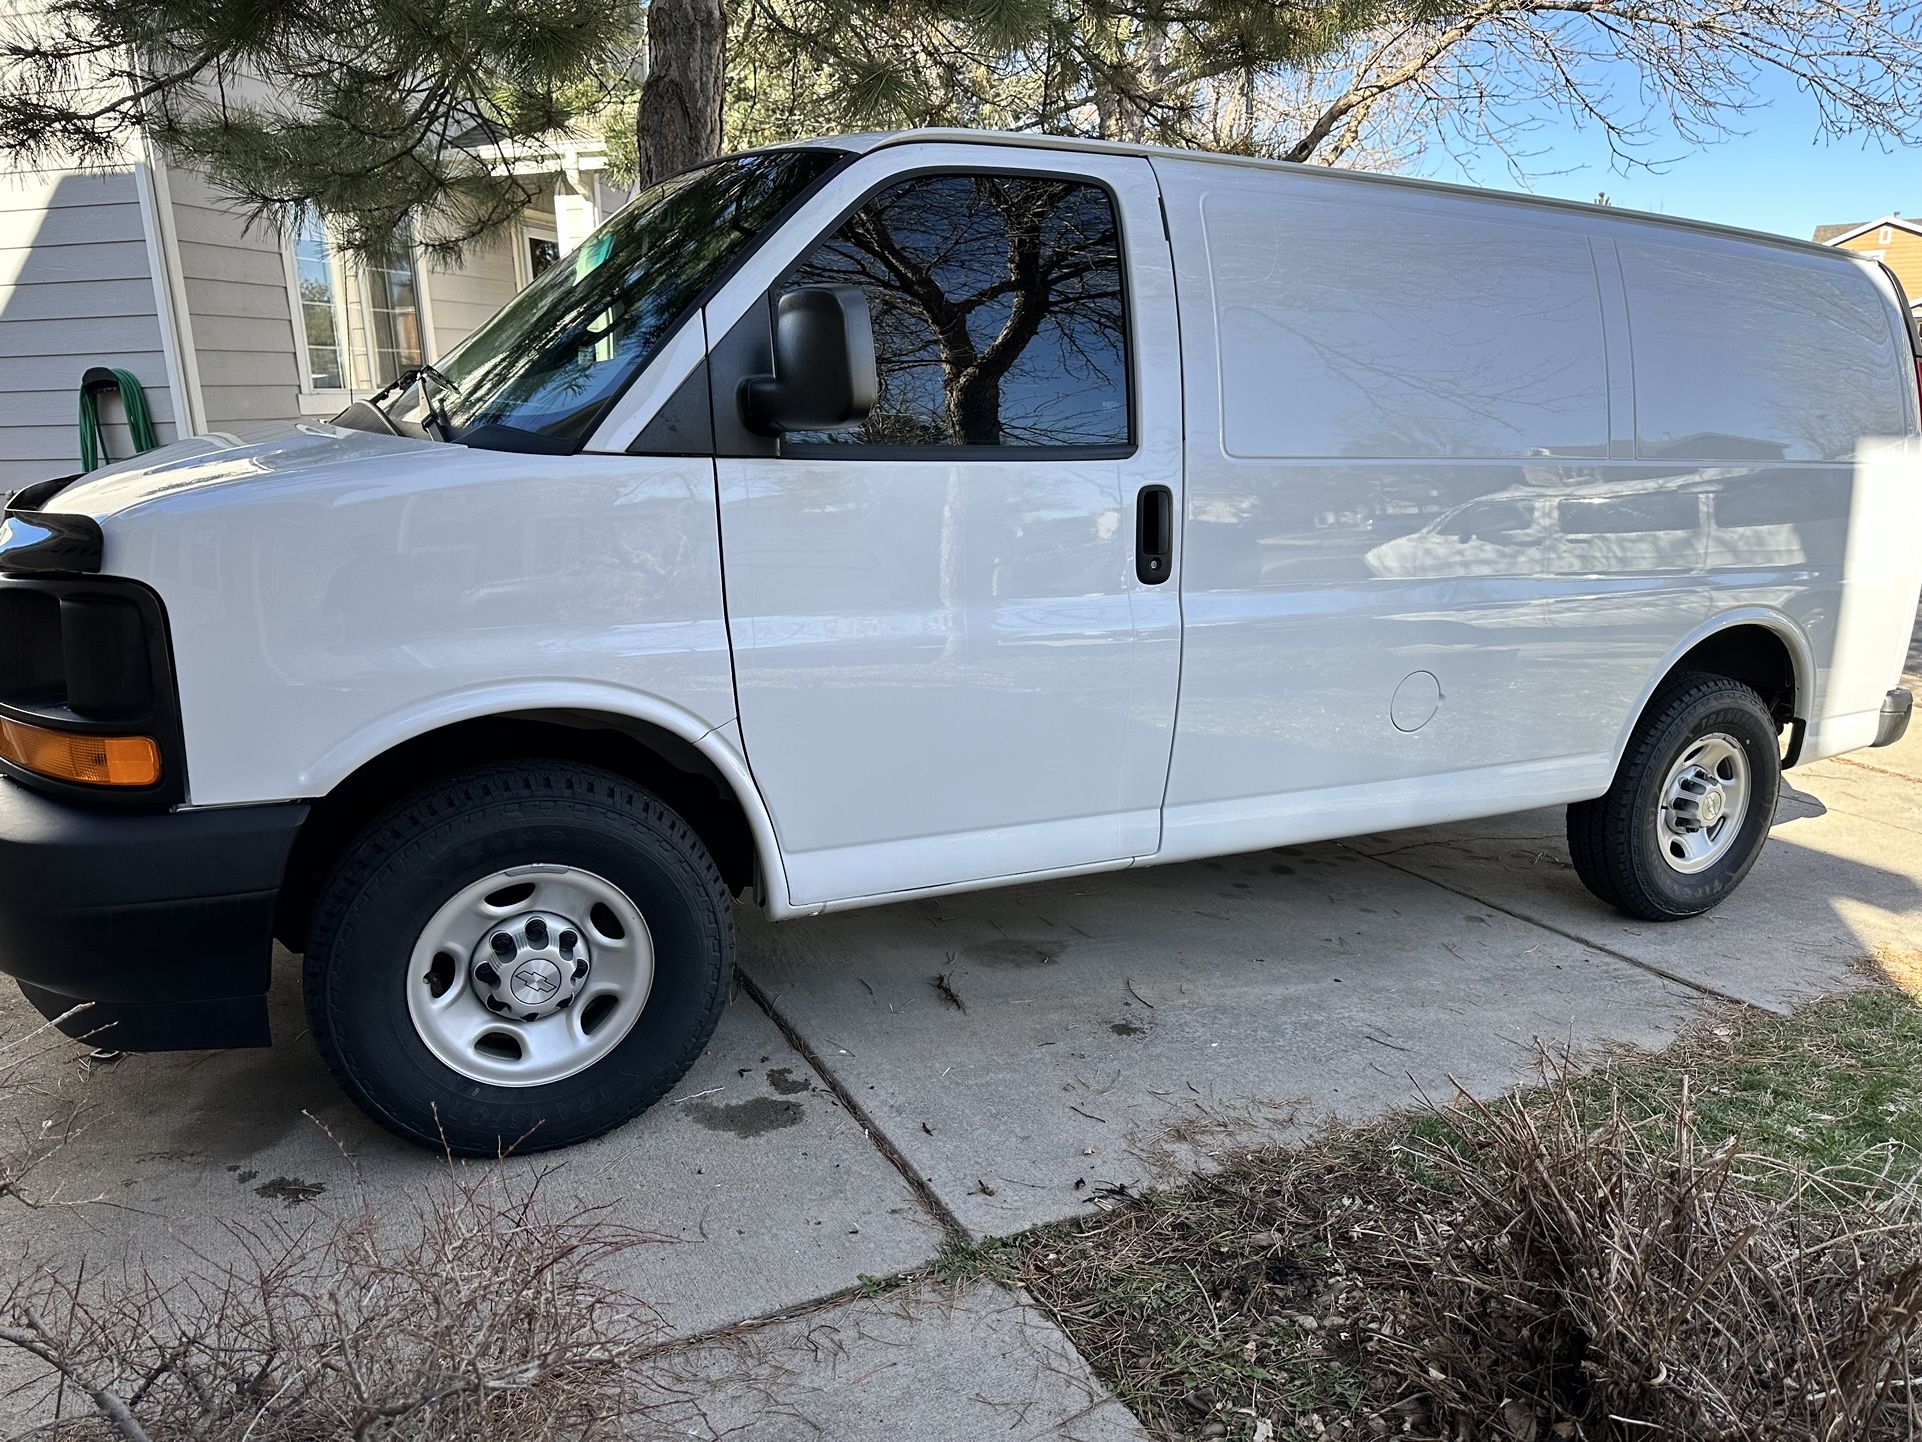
column 519, row 957
column 1691, row 805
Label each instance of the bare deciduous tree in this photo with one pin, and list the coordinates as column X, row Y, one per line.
column 1353, row 82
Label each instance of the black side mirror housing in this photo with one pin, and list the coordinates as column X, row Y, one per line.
column 824, row 373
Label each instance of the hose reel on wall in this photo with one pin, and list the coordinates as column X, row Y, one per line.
column 93, row 434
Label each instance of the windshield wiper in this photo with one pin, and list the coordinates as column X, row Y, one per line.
column 435, row 413
column 420, row 375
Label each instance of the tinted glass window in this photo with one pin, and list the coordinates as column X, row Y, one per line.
column 997, row 308
column 1631, row 515
column 557, row 355
column 1488, row 520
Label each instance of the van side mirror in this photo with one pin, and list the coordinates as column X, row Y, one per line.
column 824, row 375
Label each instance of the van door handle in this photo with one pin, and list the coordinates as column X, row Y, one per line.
column 1154, row 535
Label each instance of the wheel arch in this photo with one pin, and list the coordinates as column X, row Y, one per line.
column 694, row 769
column 1757, row 646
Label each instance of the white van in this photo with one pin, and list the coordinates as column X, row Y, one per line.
column 910, row 513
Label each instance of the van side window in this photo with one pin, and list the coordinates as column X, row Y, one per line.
column 998, row 310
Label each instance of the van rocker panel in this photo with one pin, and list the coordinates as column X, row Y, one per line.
column 161, row 922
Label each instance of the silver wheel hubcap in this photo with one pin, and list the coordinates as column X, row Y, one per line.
column 1703, row 803
column 530, row 975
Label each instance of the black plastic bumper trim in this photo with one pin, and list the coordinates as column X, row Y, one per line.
column 224, row 1022
column 1897, row 707
column 40, row 542
column 163, row 921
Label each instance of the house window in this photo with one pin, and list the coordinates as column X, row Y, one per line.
column 542, row 250
column 1884, row 235
column 318, row 281
column 360, row 324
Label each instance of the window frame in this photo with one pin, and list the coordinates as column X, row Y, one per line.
column 351, row 294
column 364, row 289
column 530, row 229
column 860, row 451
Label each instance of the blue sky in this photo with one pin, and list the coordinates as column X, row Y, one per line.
column 1779, row 175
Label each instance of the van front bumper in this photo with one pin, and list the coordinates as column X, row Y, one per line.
column 1897, row 706
column 159, row 924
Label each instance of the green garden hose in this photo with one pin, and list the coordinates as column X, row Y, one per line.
column 93, row 436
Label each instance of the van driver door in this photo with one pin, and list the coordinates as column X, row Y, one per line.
column 956, row 627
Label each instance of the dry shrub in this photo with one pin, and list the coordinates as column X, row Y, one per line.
column 1559, row 1269
column 37, row 1120
column 477, row 1313
column 1570, row 1262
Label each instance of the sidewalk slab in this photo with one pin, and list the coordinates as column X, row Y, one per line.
column 765, row 1192
column 927, row 1363
column 1883, row 786
column 1832, row 892
column 1121, row 1029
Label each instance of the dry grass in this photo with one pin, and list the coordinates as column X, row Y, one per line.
column 1719, row 1244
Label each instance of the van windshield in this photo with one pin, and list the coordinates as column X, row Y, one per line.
column 542, row 372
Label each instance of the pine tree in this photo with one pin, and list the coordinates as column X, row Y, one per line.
column 393, row 116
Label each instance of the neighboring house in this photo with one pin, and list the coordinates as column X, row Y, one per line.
column 1893, row 240
column 143, row 265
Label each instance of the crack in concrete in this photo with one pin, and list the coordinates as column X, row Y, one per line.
column 924, row 1192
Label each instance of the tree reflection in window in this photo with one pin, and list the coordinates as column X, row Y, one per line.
column 998, row 312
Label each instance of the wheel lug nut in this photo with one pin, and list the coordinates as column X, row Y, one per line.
column 494, row 1003
column 503, row 945
column 580, row 968
column 486, row 975
column 568, row 941
column 537, row 933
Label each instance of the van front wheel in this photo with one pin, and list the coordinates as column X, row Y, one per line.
column 1691, row 804
column 520, row 957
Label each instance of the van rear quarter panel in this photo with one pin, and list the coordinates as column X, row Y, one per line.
column 1523, row 450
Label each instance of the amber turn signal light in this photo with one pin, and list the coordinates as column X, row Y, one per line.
column 69, row 756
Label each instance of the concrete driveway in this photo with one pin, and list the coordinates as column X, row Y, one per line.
column 1103, row 1033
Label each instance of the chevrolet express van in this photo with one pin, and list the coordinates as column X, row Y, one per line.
column 905, row 514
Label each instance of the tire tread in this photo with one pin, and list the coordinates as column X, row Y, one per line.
column 1601, row 832
column 528, row 791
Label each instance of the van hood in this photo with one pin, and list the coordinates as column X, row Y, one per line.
column 203, row 462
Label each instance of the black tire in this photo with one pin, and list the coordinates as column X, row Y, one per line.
column 392, row 879
column 1615, row 840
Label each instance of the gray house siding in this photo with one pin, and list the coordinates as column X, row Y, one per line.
column 239, row 314
column 76, row 290
column 157, row 272
column 460, row 300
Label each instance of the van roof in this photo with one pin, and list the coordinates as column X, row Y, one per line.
column 866, row 141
